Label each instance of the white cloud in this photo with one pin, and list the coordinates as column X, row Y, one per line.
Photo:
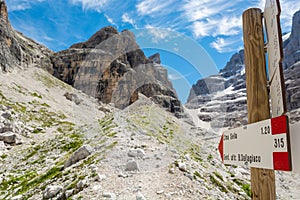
column 224, row 26
column 202, row 29
column 127, row 19
column 213, row 17
column 148, row 7
column 288, row 9
column 97, row 5
column 110, row 20
column 228, row 26
column 158, row 34
column 224, row 45
column 15, row 5
column 195, row 10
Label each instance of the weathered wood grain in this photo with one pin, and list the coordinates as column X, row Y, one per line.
column 262, row 180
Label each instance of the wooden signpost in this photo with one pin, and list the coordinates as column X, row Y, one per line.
column 264, row 144
column 262, row 180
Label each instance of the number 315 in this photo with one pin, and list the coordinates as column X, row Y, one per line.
column 279, row 142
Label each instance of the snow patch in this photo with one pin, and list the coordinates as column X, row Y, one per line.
column 286, row 36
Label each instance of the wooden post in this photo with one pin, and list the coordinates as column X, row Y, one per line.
column 262, row 180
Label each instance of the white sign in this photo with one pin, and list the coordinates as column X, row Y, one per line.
column 274, row 47
column 295, row 146
column 264, row 144
column 276, row 93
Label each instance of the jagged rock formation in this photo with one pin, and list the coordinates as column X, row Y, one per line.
column 291, row 45
column 221, row 99
column 16, row 50
column 3, row 11
column 111, row 67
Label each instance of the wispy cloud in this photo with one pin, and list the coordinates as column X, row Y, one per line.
column 148, row 7
column 223, row 45
column 15, row 5
column 288, row 8
column 127, row 19
column 110, row 20
column 158, row 34
column 91, row 4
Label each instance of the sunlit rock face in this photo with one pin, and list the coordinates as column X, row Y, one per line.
column 111, row 67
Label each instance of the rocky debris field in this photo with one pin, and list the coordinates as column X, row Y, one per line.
column 54, row 147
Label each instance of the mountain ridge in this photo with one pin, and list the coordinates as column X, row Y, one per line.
column 232, row 78
column 57, row 142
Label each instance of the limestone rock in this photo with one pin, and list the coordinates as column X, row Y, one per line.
column 140, row 196
column 3, row 11
column 131, row 166
column 18, row 51
column 81, row 185
column 80, row 154
column 291, row 46
column 109, row 195
column 111, row 67
column 221, row 99
column 8, row 137
column 52, row 191
column 139, row 153
column 18, row 197
column 73, row 97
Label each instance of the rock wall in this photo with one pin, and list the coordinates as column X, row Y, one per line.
column 291, row 46
column 16, row 50
column 3, row 11
column 112, row 67
column 221, row 99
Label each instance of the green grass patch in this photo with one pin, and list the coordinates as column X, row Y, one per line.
column 3, row 156
column 245, row 186
column 51, row 173
column 218, row 183
column 33, row 151
column 34, row 94
column 16, row 181
column 198, row 175
column 219, row 176
column 72, row 146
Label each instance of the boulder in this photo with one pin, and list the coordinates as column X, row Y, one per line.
column 52, row 191
column 8, row 137
column 80, row 154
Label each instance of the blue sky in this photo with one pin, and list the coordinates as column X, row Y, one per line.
column 195, row 37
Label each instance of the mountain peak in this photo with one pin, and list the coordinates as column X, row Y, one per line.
column 100, row 36
column 3, row 11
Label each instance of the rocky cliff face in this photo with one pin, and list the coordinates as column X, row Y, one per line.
column 292, row 44
column 16, row 50
column 221, row 99
column 111, row 67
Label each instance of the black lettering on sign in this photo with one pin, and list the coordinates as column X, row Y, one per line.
column 226, row 156
column 265, row 130
column 233, row 157
column 279, row 143
column 233, row 136
column 249, row 158
column 226, row 137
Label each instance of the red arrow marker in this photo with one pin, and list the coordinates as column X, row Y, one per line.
column 221, row 147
